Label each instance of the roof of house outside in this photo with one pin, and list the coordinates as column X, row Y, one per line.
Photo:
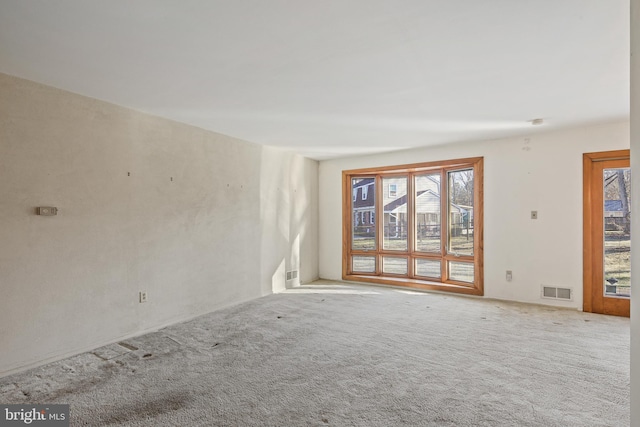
column 613, row 205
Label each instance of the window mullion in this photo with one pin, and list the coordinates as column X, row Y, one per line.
column 444, row 222
column 379, row 223
column 411, row 223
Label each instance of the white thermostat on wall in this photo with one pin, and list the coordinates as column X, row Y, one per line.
column 47, row 211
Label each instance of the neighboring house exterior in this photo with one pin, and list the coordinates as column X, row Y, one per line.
column 394, row 193
column 395, row 204
column 613, row 209
column 427, row 214
column 364, row 201
column 614, row 216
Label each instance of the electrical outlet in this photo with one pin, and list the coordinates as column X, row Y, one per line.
column 509, row 275
column 143, row 296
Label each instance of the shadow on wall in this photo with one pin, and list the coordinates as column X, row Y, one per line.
column 285, row 209
column 278, row 280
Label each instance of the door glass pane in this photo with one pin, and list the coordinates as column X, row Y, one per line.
column 427, row 199
column 617, row 232
column 363, row 193
column 428, row 268
column 394, row 202
column 363, row 264
column 394, row 265
column 460, row 212
column 461, row 271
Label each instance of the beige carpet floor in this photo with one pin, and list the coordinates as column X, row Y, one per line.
column 330, row 354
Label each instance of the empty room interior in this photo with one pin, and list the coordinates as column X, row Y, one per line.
column 363, row 213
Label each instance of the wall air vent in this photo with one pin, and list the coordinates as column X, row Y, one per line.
column 292, row 274
column 553, row 292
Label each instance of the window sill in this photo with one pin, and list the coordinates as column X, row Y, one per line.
column 467, row 289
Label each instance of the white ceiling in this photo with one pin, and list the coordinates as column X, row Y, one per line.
column 329, row 78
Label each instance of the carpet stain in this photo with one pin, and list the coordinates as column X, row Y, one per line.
column 50, row 392
column 128, row 346
column 146, row 410
column 98, row 356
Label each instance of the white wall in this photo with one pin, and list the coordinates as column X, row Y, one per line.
column 540, row 172
column 289, row 219
column 635, row 219
column 196, row 243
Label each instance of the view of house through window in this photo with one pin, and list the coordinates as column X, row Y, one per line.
column 428, row 232
column 617, row 231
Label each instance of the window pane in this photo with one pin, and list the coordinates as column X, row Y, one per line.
column 363, row 213
column 394, row 265
column 428, row 268
column 363, row 264
column 617, row 232
column 461, row 212
column 427, row 199
column 461, row 271
column 395, row 213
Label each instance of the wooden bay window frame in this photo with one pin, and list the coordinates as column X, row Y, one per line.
column 411, row 279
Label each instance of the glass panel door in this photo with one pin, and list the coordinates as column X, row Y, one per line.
column 606, row 215
column 617, row 232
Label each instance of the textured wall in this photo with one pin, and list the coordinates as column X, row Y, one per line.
column 543, row 174
column 144, row 204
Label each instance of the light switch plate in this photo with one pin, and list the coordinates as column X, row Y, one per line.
column 47, row 211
